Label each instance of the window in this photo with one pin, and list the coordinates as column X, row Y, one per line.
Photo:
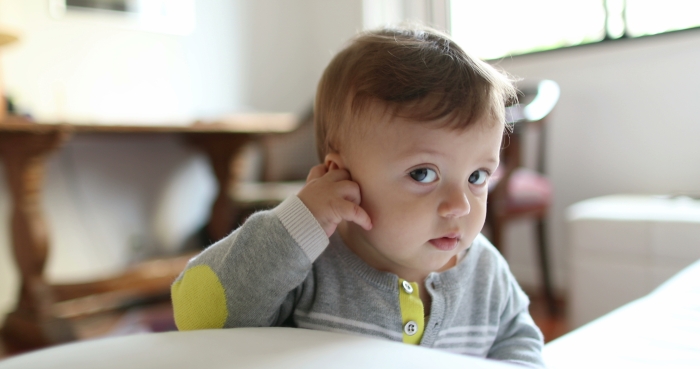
column 497, row 28
column 645, row 17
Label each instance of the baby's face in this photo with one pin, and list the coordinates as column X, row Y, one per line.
column 424, row 189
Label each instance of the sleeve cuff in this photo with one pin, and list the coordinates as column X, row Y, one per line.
column 302, row 226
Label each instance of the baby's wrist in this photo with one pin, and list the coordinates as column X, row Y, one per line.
column 327, row 226
column 302, row 225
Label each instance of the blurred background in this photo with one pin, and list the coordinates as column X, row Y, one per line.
column 625, row 122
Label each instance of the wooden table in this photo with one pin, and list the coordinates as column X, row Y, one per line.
column 40, row 317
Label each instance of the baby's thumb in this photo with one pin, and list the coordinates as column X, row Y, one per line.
column 316, row 171
column 359, row 216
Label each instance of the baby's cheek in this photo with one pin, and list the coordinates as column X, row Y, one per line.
column 405, row 223
column 480, row 192
column 394, row 213
column 474, row 222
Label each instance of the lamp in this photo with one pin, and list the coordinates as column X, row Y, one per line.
column 5, row 38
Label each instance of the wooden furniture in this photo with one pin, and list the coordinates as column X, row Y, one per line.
column 286, row 161
column 40, row 317
column 518, row 192
column 243, row 348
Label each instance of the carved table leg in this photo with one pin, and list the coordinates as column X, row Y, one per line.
column 221, row 149
column 32, row 323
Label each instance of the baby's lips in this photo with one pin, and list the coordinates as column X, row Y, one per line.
column 451, row 235
column 445, row 243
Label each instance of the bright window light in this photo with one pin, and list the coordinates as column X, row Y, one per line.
column 497, row 28
column 645, row 17
column 493, row 29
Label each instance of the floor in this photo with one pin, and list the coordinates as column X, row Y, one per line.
column 158, row 317
column 552, row 325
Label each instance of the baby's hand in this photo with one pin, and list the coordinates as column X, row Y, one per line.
column 332, row 197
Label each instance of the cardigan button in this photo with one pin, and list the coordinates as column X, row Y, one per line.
column 407, row 287
column 410, row 328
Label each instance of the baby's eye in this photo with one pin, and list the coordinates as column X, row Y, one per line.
column 423, row 175
column 478, row 177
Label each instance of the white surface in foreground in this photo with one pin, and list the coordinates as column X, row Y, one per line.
column 661, row 330
column 260, row 348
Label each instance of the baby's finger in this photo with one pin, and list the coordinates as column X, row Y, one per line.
column 354, row 213
column 350, row 191
column 316, row 171
column 337, row 175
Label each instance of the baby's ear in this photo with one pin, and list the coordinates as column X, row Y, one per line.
column 334, row 161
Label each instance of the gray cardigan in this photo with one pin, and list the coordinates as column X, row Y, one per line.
column 280, row 269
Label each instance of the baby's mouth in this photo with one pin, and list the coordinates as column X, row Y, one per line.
column 446, row 243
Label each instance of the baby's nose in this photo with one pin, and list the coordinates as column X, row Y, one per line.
column 455, row 205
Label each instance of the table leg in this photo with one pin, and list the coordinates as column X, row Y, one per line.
column 221, row 149
column 32, row 323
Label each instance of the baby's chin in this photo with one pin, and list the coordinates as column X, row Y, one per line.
column 449, row 264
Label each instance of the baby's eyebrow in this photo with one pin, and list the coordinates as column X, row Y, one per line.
column 492, row 160
column 430, row 151
column 423, row 150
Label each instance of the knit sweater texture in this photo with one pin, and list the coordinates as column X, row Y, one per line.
column 280, row 269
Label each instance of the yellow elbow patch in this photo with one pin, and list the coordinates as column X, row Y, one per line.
column 199, row 300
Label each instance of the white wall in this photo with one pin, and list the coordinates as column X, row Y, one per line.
column 76, row 68
column 108, row 200
column 626, row 122
column 289, row 45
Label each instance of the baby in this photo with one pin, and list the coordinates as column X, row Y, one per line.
column 384, row 239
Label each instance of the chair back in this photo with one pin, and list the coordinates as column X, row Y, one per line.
column 534, row 105
column 530, row 112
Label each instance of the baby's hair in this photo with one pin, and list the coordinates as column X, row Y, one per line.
column 414, row 72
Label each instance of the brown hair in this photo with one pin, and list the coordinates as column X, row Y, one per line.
column 416, row 72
